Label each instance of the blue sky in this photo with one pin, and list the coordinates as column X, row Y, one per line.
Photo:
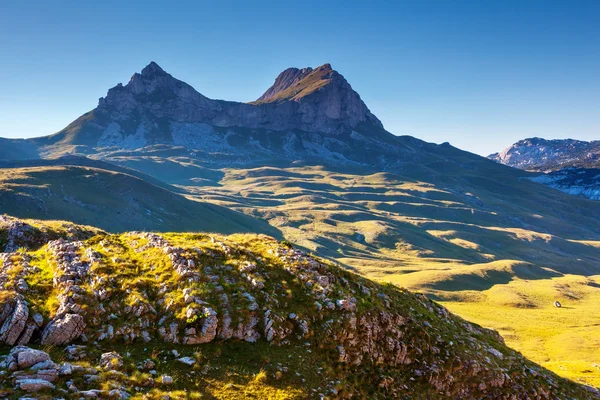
column 478, row 74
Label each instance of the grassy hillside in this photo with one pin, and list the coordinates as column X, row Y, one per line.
column 111, row 200
column 485, row 247
column 244, row 316
column 484, row 243
column 17, row 149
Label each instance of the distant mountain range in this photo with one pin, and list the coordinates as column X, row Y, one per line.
column 572, row 166
column 542, row 154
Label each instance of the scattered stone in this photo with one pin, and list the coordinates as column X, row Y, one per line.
column 63, row 330
column 187, row 360
column 111, row 361
column 33, row 385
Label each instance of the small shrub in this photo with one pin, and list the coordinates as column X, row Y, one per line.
column 261, row 377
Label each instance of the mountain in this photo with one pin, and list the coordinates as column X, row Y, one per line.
column 571, row 166
column 309, row 158
column 542, row 154
column 245, row 316
column 155, row 108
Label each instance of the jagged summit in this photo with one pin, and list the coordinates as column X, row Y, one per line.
column 284, row 80
column 153, row 69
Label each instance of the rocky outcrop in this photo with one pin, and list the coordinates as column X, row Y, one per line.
column 34, row 371
column 33, row 385
column 22, row 357
column 165, row 291
column 111, row 361
column 14, row 325
column 17, row 233
column 70, row 273
column 63, row 329
column 542, row 154
column 285, row 80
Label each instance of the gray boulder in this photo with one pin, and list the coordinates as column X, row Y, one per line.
column 22, row 357
column 63, row 329
column 33, row 385
column 14, row 325
column 111, row 361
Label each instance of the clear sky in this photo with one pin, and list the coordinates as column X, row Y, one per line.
column 478, row 74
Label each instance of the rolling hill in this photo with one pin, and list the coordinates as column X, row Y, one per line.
column 112, row 200
column 140, row 315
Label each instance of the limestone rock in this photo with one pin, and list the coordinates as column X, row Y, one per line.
column 111, row 361
column 13, row 326
column 63, row 330
column 33, row 385
column 21, row 357
column 187, row 360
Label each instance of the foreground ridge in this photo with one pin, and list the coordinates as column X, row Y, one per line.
column 138, row 314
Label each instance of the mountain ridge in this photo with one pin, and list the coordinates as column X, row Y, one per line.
column 549, row 154
column 139, row 112
column 569, row 165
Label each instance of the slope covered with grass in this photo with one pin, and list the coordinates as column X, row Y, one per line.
column 112, row 200
column 484, row 247
column 193, row 315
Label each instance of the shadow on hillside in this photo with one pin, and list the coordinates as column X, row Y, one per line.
column 483, row 279
column 115, row 202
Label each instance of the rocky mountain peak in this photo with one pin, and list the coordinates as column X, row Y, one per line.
column 284, row 80
column 294, row 83
column 153, row 69
column 157, row 92
column 151, row 107
column 539, row 153
column 322, row 93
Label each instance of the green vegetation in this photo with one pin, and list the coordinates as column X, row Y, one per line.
column 460, row 248
column 472, row 249
column 111, row 200
column 134, row 282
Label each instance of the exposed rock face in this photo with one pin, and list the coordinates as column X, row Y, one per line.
column 306, row 113
column 576, row 181
column 33, row 385
column 571, row 166
column 542, row 154
column 194, row 289
column 14, row 325
column 111, row 361
column 319, row 100
column 63, row 330
column 21, row 357
column 285, row 80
